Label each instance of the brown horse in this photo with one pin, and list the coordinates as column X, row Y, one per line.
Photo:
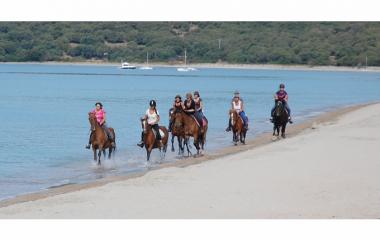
column 187, row 124
column 179, row 133
column 238, row 130
column 99, row 139
column 151, row 142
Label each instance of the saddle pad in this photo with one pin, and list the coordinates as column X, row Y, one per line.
column 162, row 134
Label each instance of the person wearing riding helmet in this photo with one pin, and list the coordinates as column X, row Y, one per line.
column 238, row 106
column 281, row 95
column 198, row 108
column 177, row 106
column 152, row 116
column 100, row 115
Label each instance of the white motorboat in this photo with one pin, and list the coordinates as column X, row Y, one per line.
column 125, row 65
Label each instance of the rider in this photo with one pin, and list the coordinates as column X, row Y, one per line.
column 177, row 105
column 100, row 115
column 198, row 108
column 281, row 95
column 153, row 117
column 188, row 107
column 238, row 106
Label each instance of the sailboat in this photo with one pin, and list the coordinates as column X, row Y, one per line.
column 186, row 69
column 146, row 67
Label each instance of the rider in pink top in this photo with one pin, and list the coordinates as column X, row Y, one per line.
column 100, row 115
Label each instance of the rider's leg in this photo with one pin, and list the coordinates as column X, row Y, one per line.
column 272, row 112
column 288, row 109
column 109, row 134
column 245, row 119
column 89, row 141
column 170, row 125
column 229, row 122
column 141, row 143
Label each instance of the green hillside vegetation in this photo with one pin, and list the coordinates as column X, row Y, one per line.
column 311, row 43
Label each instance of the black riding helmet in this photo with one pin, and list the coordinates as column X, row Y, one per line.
column 152, row 103
column 282, row 85
column 196, row 93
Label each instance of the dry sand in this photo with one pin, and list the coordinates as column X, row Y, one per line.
column 329, row 170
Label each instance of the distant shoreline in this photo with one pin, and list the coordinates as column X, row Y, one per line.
column 219, row 65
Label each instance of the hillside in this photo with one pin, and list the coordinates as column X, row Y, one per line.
column 312, row 43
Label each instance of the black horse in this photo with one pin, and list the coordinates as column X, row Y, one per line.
column 280, row 119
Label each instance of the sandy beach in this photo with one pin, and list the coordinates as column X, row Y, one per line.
column 328, row 167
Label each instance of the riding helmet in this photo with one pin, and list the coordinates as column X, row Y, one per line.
column 282, row 85
column 196, row 93
column 236, row 92
column 152, row 103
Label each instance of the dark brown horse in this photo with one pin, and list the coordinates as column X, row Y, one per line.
column 238, row 130
column 280, row 119
column 151, row 142
column 187, row 124
column 99, row 139
column 179, row 133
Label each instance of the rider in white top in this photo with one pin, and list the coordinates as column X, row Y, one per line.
column 153, row 117
column 238, row 105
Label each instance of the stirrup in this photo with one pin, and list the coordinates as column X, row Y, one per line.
column 140, row 144
column 88, row 146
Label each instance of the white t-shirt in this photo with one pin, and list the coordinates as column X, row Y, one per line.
column 152, row 118
column 237, row 106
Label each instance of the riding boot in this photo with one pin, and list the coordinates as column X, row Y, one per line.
column 290, row 120
column 141, row 143
column 89, row 143
column 229, row 126
column 170, row 126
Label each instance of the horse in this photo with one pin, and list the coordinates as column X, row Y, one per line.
column 189, row 126
column 176, row 133
column 239, row 132
column 150, row 141
column 280, row 119
column 99, row 139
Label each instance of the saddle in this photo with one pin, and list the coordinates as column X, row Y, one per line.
column 204, row 121
column 162, row 134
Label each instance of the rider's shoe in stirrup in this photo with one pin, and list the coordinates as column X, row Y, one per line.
column 290, row 120
column 88, row 146
column 271, row 120
column 228, row 129
column 140, row 144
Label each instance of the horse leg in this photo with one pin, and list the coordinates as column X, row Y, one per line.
column 109, row 152
column 283, row 131
column 94, row 150
column 173, row 143
column 104, row 153
column 99, row 155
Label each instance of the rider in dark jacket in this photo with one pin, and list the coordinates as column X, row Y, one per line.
column 281, row 95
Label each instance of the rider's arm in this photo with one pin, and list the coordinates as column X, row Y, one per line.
column 275, row 97
column 158, row 119
column 286, row 98
column 104, row 119
column 202, row 106
column 242, row 107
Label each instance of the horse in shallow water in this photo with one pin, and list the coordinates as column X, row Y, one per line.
column 280, row 119
column 239, row 132
column 179, row 133
column 99, row 139
column 151, row 142
column 188, row 124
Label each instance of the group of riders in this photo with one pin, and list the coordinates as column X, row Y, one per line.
column 193, row 106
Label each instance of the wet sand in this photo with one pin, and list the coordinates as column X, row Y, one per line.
column 327, row 168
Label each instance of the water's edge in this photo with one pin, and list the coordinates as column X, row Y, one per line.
column 260, row 140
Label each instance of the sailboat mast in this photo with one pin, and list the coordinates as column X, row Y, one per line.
column 185, row 57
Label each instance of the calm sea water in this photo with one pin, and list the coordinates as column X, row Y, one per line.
column 44, row 125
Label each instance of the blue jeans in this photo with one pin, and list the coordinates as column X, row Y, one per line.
column 244, row 117
column 108, row 132
column 199, row 116
column 286, row 105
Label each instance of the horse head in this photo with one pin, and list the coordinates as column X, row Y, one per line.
column 279, row 108
column 92, row 120
column 233, row 116
column 178, row 119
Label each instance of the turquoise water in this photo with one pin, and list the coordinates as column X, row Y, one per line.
column 44, row 124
